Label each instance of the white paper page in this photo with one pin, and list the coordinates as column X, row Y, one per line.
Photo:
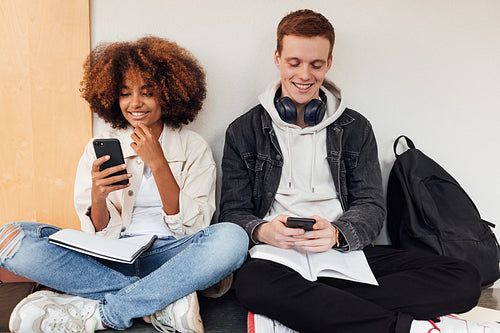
column 342, row 265
column 94, row 254
column 122, row 250
column 293, row 258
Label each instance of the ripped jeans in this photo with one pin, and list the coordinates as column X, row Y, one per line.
column 169, row 270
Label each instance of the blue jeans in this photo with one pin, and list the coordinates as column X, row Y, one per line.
column 169, row 270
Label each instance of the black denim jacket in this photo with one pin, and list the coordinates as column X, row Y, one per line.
column 252, row 165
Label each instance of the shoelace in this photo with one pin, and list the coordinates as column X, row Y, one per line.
column 160, row 327
column 434, row 327
column 76, row 322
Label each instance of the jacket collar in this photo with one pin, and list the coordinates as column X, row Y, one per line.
column 266, row 121
column 344, row 119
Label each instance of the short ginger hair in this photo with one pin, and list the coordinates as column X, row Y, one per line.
column 305, row 23
column 173, row 73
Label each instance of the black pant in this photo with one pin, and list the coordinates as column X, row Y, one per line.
column 411, row 286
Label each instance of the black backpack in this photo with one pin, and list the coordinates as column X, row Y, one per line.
column 427, row 210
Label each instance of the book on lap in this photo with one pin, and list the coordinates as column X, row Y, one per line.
column 311, row 265
column 125, row 250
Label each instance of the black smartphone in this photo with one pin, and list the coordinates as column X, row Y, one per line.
column 300, row 222
column 112, row 148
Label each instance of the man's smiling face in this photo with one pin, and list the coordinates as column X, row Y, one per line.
column 303, row 64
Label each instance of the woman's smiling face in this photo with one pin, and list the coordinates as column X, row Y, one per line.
column 138, row 102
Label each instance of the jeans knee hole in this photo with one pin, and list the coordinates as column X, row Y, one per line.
column 10, row 240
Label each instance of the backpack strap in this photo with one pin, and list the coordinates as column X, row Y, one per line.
column 409, row 143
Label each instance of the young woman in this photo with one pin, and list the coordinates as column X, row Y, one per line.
column 146, row 90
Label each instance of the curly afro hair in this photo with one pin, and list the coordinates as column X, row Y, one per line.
column 170, row 69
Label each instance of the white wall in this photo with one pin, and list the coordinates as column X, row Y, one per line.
column 428, row 69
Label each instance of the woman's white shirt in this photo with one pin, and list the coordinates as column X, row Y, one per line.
column 147, row 215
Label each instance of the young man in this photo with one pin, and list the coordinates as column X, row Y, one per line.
column 286, row 158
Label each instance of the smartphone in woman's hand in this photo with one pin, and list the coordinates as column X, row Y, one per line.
column 112, row 148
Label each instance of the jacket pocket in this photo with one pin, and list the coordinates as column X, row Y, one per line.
column 350, row 160
column 255, row 167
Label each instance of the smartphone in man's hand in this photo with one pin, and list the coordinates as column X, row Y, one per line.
column 300, row 222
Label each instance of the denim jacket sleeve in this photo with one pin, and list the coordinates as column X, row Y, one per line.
column 360, row 184
column 237, row 204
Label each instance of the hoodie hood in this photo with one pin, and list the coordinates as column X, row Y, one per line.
column 306, row 182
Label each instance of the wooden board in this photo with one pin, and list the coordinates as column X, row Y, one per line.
column 45, row 123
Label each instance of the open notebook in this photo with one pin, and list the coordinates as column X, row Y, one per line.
column 341, row 265
column 124, row 250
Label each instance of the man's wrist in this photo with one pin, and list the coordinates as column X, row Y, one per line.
column 255, row 234
column 340, row 241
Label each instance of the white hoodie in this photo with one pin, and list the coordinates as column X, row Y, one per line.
column 306, row 185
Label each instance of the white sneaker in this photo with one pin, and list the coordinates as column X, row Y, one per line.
column 218, row 289
column 456, row 324
column 280, row 328
column 182, row 315
column 257, row 323
column 46, row 311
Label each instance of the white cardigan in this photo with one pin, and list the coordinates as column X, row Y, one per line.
column 192, row 165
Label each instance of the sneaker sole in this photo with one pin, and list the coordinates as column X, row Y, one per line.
column 15, row 320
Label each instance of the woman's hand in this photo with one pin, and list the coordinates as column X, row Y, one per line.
column 101, row 183
column 147, row 146
column 101, row 187
column 149, row 149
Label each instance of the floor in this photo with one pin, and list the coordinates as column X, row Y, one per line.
column 229, row 318
column 490, row 298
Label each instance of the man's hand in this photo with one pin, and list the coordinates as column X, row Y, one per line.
column 277, row 234
column 322, row 238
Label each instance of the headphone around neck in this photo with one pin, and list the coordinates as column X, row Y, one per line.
column 313, row 114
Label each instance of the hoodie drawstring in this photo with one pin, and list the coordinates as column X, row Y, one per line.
column 289, row 171
column 313, row 160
